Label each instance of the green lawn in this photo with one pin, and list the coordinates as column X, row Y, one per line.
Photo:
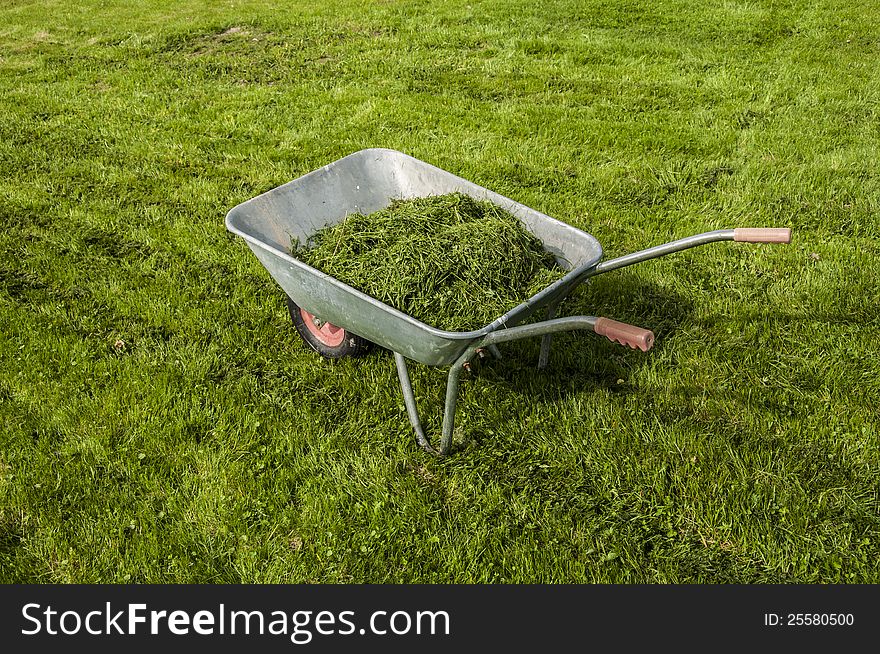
column 161, row 422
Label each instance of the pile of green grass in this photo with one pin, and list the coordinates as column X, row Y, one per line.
column 447, row 260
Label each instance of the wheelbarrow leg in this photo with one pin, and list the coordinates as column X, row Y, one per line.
column 409, row 399
column 634, row 337
column 547, row 339
column 451, row 402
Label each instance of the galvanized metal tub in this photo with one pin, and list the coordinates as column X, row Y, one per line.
column 364, row 182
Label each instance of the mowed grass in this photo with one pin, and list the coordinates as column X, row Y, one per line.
column 161, row 422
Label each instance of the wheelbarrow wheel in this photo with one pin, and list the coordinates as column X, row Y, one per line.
column 326, row 339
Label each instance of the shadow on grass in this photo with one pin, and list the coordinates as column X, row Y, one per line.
column 579, row 360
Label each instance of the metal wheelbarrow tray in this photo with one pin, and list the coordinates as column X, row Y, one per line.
column 369, row 180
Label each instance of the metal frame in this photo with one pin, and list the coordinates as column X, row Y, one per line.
column 544, row 329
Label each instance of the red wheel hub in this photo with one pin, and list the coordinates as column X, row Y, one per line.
column 329, row 335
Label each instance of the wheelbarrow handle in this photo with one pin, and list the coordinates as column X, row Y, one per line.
column 762, row 235
column 637, row 338
column 619, row 332
column 742, row 234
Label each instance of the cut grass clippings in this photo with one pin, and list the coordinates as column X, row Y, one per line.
column 448, row 260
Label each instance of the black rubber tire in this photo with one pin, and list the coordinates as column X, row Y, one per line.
column 352, row 345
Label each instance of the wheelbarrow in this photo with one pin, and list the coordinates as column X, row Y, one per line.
column 338, row 320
